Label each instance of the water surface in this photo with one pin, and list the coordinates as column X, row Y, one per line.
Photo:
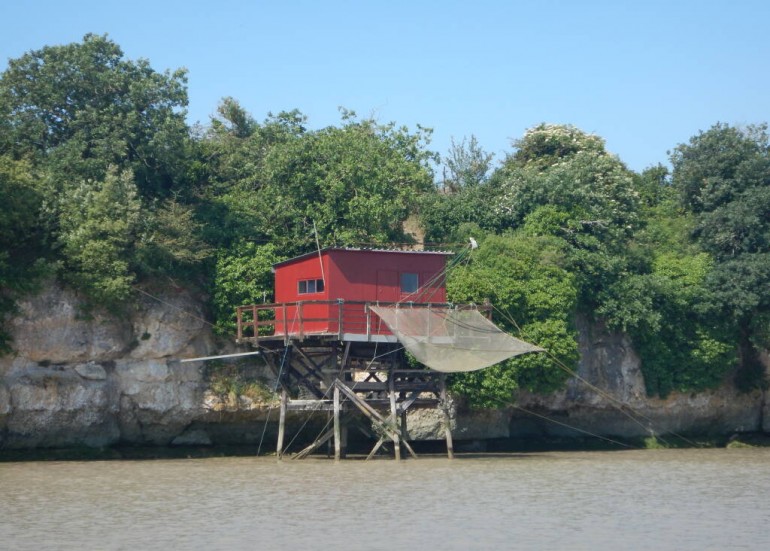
column 653, row 499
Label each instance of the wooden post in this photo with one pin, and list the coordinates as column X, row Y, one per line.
column 343, row 440
column 385, row 426
column 450, row 451
column 301, row 330
column 285, row 324
column 337, row 434
column 281, row 423
column 394, row 413
column 340, row 310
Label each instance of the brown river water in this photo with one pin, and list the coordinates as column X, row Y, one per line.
column 653, row 499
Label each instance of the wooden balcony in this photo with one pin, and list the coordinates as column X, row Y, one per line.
column 351, row 321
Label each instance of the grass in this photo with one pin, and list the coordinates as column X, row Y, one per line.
column 235, row 379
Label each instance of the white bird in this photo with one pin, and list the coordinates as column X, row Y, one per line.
column 474, row 245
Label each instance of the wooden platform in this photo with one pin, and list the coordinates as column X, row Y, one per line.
column 339, row 356
column 320, row 374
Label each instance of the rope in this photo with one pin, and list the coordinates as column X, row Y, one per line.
column 620, row 405
column 325, row 394
column 532, row 413
column 275, row 391
column 166, row 303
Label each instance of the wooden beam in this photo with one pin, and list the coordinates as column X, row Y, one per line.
column 310, row 366
column 337, row 434
column 315, row 445
column 281, row 424
column 345, row 356
column 375, row 448
column 450, row 450
column 387, row 426
column 302, row 380
column 394, row 415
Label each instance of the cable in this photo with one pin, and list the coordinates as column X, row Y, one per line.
column 275, row 391
column 570, row 426
column 174, row 306
column 621, row 406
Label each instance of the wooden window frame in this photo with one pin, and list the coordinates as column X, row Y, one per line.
column 304, row 286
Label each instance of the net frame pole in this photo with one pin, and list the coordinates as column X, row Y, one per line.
column 450, row 449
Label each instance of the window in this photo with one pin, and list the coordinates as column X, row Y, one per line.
column 308, row 286
column 409, row 283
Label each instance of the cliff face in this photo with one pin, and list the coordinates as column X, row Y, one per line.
column 106, row 380
column 98, row 381
column 608, row 398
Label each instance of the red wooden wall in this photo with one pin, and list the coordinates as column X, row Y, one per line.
column 355, row 275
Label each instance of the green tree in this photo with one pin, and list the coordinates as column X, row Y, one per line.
column 81, row 107
column 465, row 198
column 20, row 236
column 562, row 182
column 170, row 241
column 93, row 128
column 548, row 144
column 356, row 183
column 467, row 165
column 723, row 177
column 535, row 299
column 243, row 276
column 99, row 225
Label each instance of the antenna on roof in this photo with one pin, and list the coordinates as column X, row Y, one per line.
column 320, row 260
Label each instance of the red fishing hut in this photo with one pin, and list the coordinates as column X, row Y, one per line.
column 327, row 292
column 327, row 340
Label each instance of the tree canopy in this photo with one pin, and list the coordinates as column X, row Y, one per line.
column 107, row 188
column 723, row 178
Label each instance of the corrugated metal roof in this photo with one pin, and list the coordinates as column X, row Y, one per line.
column 362, row 249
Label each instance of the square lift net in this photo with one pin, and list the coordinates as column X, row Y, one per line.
column 451, row 340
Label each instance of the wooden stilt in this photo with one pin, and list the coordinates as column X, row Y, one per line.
column 337, row 432
column 450, row 451
column 375, row 448
column 281, row 423
column 394, row 415
column 315, row 445
column 386, row 426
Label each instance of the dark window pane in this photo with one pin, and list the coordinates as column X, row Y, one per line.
column 409, row 283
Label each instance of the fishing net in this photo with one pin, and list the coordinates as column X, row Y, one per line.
column 451, row 340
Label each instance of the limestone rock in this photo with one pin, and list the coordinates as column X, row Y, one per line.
column 428, row 424
column 51, row 327
column 195, row 437
column 98, row 381
column 57, row 408
column 609, row 398
column 164, row 329
column 91, row 371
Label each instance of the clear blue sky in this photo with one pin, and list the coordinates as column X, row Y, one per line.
column 644, row 75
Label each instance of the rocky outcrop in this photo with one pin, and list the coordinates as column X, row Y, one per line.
column 101, row 379
column 608, row 397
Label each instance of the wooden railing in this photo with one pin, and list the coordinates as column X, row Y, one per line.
column 321, row 317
